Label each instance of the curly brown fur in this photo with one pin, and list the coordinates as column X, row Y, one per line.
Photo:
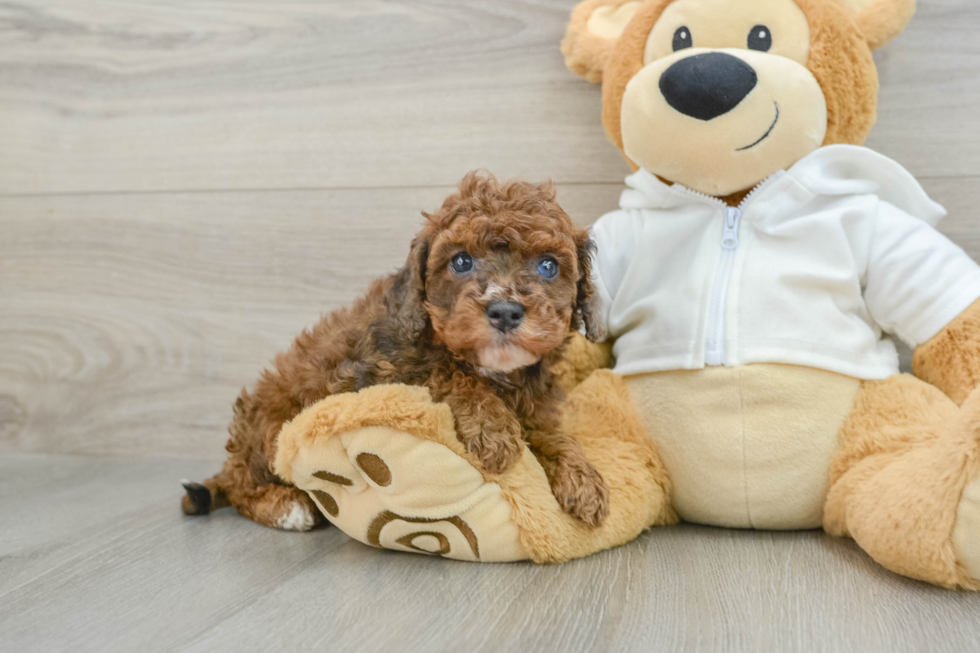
column 428, row 325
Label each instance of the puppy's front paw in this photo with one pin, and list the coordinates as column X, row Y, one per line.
column 581, row 492
column 498, row 445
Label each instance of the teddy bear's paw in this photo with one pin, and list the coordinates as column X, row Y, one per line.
column 390, row 489
column 966, row 529
column 581, row 492
column 966, row 534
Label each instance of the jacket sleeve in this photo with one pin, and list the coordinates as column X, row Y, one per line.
column 918, row 281
column 614, row 249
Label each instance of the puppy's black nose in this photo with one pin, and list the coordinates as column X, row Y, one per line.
column 707, row 85
column 505, row 316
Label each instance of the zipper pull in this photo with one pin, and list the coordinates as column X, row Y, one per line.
column 729, row 238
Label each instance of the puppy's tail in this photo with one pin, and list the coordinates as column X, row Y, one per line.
column 202, row 498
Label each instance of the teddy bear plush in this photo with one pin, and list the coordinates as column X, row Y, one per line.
column 754, row 279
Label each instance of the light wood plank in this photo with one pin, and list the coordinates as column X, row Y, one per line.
column 145, row 578
column 109, row 96
column 69, row 507
column 131, row 576
column 930, row 85
column 100, row 96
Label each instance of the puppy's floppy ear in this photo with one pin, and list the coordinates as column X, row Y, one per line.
column 405, row 298
column 592, row 31
column 881, row 20
column 588, row 308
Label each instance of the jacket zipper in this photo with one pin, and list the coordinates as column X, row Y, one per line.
column 714, row 343
column 714, row 340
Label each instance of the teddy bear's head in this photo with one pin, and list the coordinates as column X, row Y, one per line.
column 717, row 95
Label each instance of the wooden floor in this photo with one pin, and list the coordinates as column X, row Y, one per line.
column 185, row 184
column 94, row 557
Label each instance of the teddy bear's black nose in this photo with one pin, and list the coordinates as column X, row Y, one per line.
column 707, row 85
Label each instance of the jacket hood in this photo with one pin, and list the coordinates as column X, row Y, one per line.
column 839, row 170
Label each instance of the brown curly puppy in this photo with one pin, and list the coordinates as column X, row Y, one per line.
column 494, row 285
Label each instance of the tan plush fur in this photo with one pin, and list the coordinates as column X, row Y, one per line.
column 906, row 453
column 581, row 359
column 622, row 65
column 951, row 359
column 586, row 53
column 840, row 59
column 882, row 20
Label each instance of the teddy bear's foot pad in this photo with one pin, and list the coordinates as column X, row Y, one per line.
column 966, row 534
column 388, row 487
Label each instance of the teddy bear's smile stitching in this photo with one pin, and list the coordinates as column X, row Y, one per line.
column 768, row 131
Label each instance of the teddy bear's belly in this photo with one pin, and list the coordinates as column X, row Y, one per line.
column 747, row 446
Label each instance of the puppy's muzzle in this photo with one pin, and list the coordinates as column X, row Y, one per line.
column 505, row 316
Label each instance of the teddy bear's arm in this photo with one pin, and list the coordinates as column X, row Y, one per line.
column 581, row 359
column 950, row 360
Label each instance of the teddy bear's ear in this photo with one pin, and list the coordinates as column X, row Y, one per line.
column 881, row 20
column 593, row 29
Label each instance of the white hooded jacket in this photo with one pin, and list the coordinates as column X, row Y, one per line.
column 814, row 268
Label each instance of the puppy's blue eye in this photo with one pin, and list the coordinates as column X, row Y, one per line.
column 548, row 267
column 461, row 263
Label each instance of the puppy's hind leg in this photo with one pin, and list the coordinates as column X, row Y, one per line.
column 263, row 498
column 264, row 501
column 246, row 481
column 278, row 506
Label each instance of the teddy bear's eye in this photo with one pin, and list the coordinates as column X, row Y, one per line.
column 760, row 38
column 682, row 38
